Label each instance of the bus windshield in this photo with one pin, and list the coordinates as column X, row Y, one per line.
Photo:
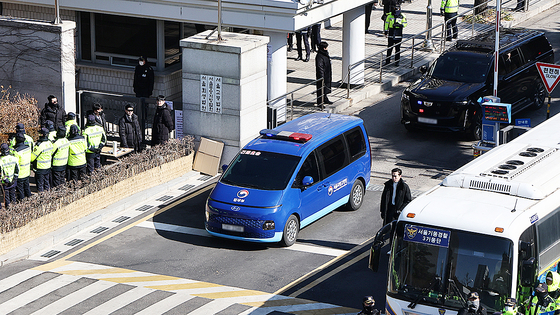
column 442, row 266
column 261, row 170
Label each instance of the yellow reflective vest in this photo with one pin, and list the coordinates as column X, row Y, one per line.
column 61, row 149
column 9, row 167
column 450, row 6
column 77, row 151
column 95, row 136
column 28, row 141
column 24, row 159
column 69, row 123
column 43, row 154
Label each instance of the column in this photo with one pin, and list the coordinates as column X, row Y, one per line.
column 277, row 71
column 353, row 45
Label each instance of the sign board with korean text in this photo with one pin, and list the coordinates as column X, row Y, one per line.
column 496, row 112
column 210, row 94
column 523, row 122
column 550, row 74
column 425, row 235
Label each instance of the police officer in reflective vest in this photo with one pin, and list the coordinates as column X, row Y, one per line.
column 60, row 156
column 23, row 152
column 394, row 24
column 9, row 170
column 449, row 9
column 76, row 154
column 71, row 120
column 42, row 158
column 28, row 140
column 96, row 139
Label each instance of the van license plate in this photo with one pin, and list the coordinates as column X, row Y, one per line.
column 424, row 120
column 233, row 228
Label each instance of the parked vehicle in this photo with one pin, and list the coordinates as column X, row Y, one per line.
column 289, row 177
column 446, row 97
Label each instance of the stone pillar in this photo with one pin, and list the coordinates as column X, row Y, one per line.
column 277, row 69
column 225, row 88
column 37, row 58
column 353, row 45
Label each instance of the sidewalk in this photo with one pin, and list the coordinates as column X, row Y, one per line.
column 301, row 73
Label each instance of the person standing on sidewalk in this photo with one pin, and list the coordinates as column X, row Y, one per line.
column 20, row 128
column 129, row 129
column 96, row 139
column 369, row 7
column 53, row 112
column 42, row 158
column 394, row 25
column 143, row 78
column 9, row 170
column 315, row 37
column 163, row 123
column 323, row 70
column 303, row 34
column 23, row 152
column 449, row 9
column 61, row 146
column 395, row 196
column 76, row 154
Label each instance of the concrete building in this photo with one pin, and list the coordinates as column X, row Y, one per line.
column 112, row 34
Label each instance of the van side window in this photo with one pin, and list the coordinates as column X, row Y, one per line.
column 356, row 143
column 333, row 156
column 308, row 168
column 510, row 61
column 535, row 48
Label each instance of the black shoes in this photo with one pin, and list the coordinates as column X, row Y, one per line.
column 306, row 59
column 327, row 101
column 290, row 48
column 298, row 58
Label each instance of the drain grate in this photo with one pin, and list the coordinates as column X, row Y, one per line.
column 144, row 208
column 186, row 187
column 121, row 219
column 205, row 177
column 51, row 253
column 164, row 198
column 99, row 230
column 74, row 242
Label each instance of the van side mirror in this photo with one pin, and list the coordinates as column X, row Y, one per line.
column 423, row 69
column 307, row 181
column 224, row 168
column 384, row 233
column 529, row 272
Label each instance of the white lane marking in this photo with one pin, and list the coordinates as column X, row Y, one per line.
column 120, row 301
column 18, row 278
column 200, row 232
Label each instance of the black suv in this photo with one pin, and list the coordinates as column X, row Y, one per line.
column 445, row 97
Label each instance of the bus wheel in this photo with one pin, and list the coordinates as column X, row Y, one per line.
column 356, row 196
column 291, row 230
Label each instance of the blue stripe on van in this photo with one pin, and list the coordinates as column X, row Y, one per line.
column 317, row 215
column 277, row 237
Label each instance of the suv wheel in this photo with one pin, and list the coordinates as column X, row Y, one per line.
column 540, row 95
column 475, row 131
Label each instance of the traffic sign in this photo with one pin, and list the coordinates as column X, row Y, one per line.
column 550, row 74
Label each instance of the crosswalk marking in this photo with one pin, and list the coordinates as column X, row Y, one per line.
column 96, row 271
column 119, row 301
column 183, row 286
column 139, row 279
column 18, row 278
column 165, row 304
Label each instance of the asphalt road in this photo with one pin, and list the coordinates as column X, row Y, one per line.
column 328, row 264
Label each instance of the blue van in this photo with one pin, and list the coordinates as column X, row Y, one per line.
column 290, row 176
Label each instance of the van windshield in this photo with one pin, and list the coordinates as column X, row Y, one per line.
column 261, row 170
column 461, row 67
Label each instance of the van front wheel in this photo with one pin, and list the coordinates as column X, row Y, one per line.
column 356, row 196
column 291, row 230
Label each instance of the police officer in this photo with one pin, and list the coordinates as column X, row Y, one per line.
column 96, row 139
column 42, row 158
column 394, row 24
column 473, row 306
column 367, row 306
column 28, row 140
column 541, row 302
column 52, row 131
column 71, row 120
column 23, row 152
column 61, row 146
column 9, row 170
column 449, row 10
column 553, row 288
column 76, row 154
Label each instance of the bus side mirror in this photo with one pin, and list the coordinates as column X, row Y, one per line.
column 423, row 69
column 529, row 272
column 526, row 248
column 224, row 168
column 378, row 242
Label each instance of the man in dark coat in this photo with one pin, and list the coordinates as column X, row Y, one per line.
column 97, row 111
column 53, row 112
column 143, row 78
column 163, row 123
column 129, row 129
column 323, row 69
column 396, row 195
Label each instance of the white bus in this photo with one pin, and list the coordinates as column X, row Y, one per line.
column 492, row 226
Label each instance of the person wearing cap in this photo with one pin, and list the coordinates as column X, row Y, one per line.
column 28, row 140
column 129, row 129
column 97, row 111
column 367, row 306
column 553, row 288
column 61, row 147
column 323, row 70
column 510, row 306
column 542, row 302
column 52, row 131
column 163, row 123
column 53, row 112
column 96, row 140
column 76, row 168
column 473, row 305
column 394, row 24
column 71, row 120
column 9, row 170
column 22, row 152
column 143, row 78
column 42, row 161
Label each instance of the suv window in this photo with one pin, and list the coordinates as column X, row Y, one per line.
column 509, row 62
column 461, row 67
column 308, row 168
column 536, row 47
column 356, row 143
column 333, row 156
